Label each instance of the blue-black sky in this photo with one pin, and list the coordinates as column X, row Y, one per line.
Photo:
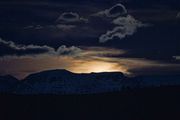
column 132, row 36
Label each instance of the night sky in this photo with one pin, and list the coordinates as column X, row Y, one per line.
column 136, row 37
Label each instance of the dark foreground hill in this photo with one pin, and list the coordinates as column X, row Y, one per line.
column 8, row 83
column 159, row 103
column 62, row 95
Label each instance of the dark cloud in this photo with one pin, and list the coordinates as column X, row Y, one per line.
column 157, row 70
column 176, row 58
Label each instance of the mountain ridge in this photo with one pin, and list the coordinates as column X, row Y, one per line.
column 61, row 81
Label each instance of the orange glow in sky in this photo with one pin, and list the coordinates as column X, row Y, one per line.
column 97, row 66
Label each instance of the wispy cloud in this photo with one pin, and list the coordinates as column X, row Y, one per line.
column 115, row 11
column 178, row 15
column 11, row 48
column 66, row 21
column 65, row 27
column 176, row 57
column 70, row 17
column 125, row 24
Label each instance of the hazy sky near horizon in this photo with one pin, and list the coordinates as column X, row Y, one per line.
column 134, row 37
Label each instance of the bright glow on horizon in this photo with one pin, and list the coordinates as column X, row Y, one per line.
column 21, row 67
column 97, row 66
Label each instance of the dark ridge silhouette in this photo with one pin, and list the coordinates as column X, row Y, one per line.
column 8, row 83
column 65, row 82
column 49, row 73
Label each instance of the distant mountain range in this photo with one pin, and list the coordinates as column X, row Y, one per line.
column 65, row 82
